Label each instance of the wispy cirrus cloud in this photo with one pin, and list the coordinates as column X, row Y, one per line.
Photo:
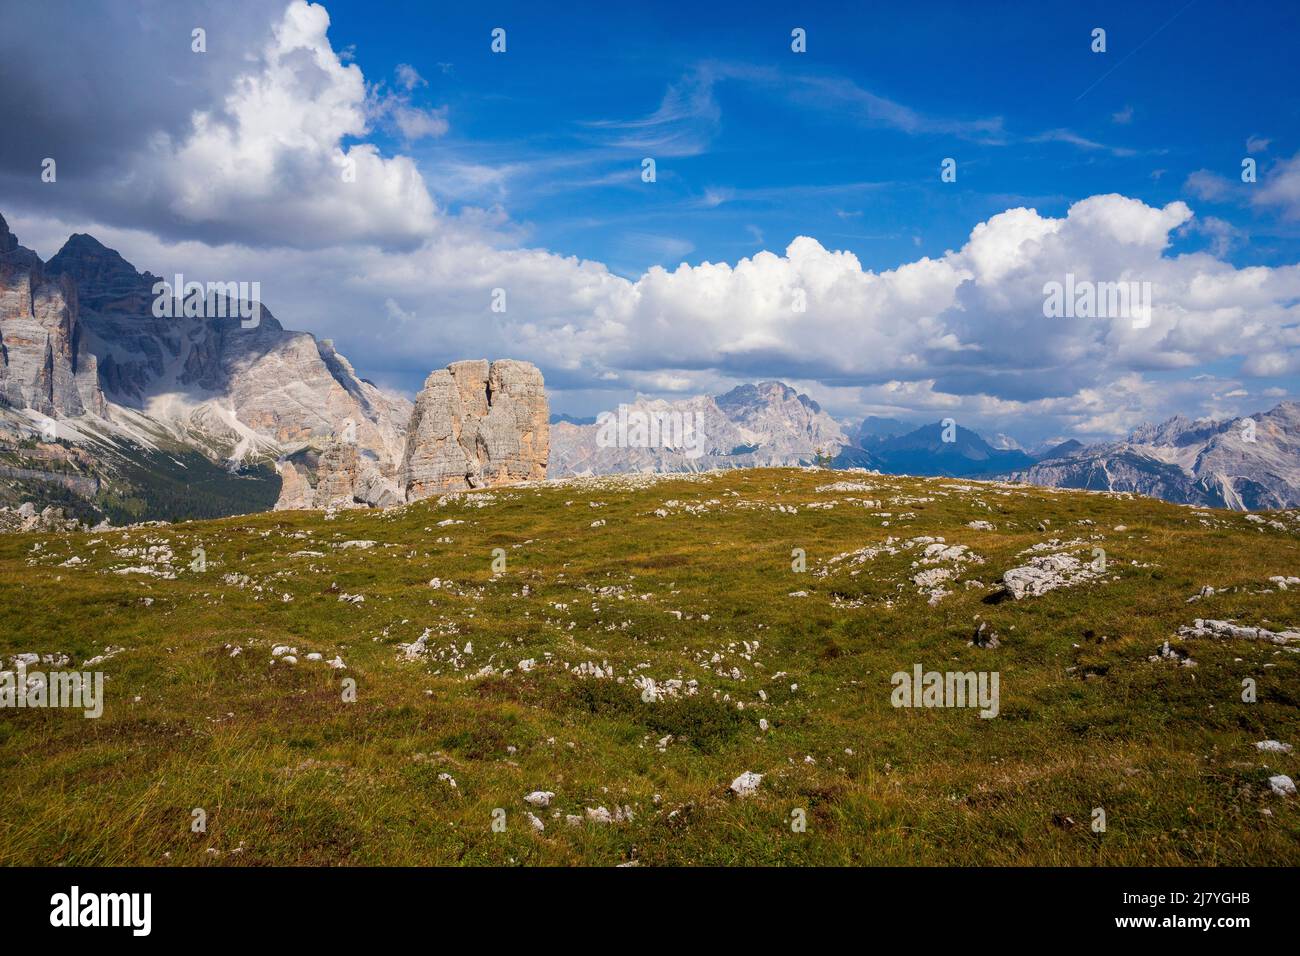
column 1074, row 139
column 846, row 98
column 683, row 125
column 691, row 105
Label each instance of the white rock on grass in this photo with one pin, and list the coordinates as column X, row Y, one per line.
column 99, row 659
column 1282, row 785
column 1274, row 747
column 1204, row 627
column 539, row 798
column 599, row 815
column 416, row 648
column 535, row 823
column 746, row 784
column 1046, row 573
column 845, row 486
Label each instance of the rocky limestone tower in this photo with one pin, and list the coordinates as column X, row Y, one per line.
column 477, row 424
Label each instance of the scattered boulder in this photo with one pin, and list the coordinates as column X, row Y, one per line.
column 1226, row 629
column 746, row 784
column 985, row 637
column 1178, row 655
column 1046, row 573
column 1273, row 747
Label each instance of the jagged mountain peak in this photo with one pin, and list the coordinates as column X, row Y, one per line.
column 874, row 429
column 8, row 241
column 932, row 436
column 763, row 392
column 88, row 261
column 1176, row 431
column 84, row 241
column 759, row 398
column 1288, row 410
column 1062, row 450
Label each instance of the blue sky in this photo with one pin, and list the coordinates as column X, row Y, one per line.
column 755, row 144
column 781, row 177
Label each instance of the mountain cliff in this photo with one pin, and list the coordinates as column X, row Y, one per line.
column 142, row 376
column 1245, row 464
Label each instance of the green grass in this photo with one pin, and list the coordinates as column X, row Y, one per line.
column 290, row 773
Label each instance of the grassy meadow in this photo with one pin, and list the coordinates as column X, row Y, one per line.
column 544, row 610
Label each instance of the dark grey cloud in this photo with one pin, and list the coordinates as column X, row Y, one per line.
column 89, row 83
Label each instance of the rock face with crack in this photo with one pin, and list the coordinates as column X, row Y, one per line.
column 296, row 491
column 477, row 424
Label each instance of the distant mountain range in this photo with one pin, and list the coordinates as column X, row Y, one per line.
column 924, row 450
column 1247, row 464
column 769, row 423
column 764, row 424
column 1225, row 464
